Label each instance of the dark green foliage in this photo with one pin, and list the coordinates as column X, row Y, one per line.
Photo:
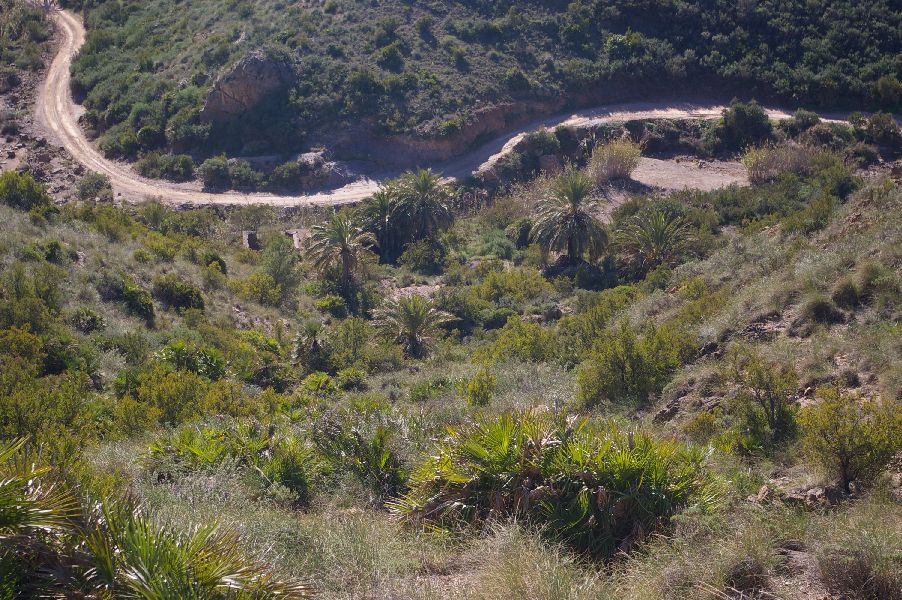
column 174, row 292
column 367, row 455
column 125, row 289
column 820, row 309
column 50, row 529
column 424, row 256
column 94, row 185
column 214, row 173
column 600, row 489
column 174, row 167
column 629, row 366
column 742, row 125
column 23, row 192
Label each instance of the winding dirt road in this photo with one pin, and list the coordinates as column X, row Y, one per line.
column 59, row 114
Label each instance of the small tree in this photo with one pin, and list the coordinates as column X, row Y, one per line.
column 852, row 439
column 768, row 387
column 282, row 262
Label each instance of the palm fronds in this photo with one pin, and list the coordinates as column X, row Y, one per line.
column 598, row 488
column 421, row 204
column 340, row 243
column 412, row 321
column 127, row 555
column 654, row 238
column 564, row 220
column 29, row 501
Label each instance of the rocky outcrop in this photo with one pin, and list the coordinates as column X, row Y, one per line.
column 237, row 92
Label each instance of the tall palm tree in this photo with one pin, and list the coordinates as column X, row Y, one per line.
column 422, row 204
column 564, row 221
column 653, row 238
column 340, row 242
column 413, row 321
column 378, row 219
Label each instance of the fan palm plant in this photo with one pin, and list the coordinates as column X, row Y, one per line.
column 127, row 555
column 599, row 488
column 378, row 219
column 52, row 546
column 412, row 321
column 339, row 242
column 653, row 238
column 564, row 221
column 422, row 204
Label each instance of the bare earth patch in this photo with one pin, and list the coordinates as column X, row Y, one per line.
column 687, row 173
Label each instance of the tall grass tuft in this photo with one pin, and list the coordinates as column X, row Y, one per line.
column 616, row 159
column 769, row 162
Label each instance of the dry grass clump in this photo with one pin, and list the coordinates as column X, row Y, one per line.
column 769, row 162
column 616, row 159
column 859, row 554
column 515, row 562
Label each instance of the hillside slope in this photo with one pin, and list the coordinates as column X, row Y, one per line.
column 345, row 70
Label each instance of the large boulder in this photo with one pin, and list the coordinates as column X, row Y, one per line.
column 249, row 82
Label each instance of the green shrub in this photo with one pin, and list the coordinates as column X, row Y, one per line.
column 851, row 438
column 214, row 173
column 524, row 341
column 600, row 489
column 174, row 292
column 86, row 321
column 517, row 285
column 206, row 362
column 137, row 300
column 743, row 124
column 629, row 366
column 820, row 309
column 478, row 391
column 424, row 256
column 423, row 391
column 764, row 405
column 21, row 191
column 333, row 305
column 94, row 185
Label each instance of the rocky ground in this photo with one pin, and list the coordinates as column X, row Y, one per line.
column 23, row 143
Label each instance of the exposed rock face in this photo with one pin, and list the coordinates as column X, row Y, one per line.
column 250, row 81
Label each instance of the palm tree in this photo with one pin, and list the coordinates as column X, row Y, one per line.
column 340, row 242
column 564, row 221
column 422, row 204
column 412, row 321
column 653, row 238
column 377, row 218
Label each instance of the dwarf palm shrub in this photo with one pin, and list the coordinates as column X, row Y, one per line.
column 52, row 545
column 598, row 488
column 412, row 321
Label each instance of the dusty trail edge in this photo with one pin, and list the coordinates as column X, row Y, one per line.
column 57, row 112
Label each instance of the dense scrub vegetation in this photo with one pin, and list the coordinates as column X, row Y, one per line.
column 425, row 67
column 440, row 397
